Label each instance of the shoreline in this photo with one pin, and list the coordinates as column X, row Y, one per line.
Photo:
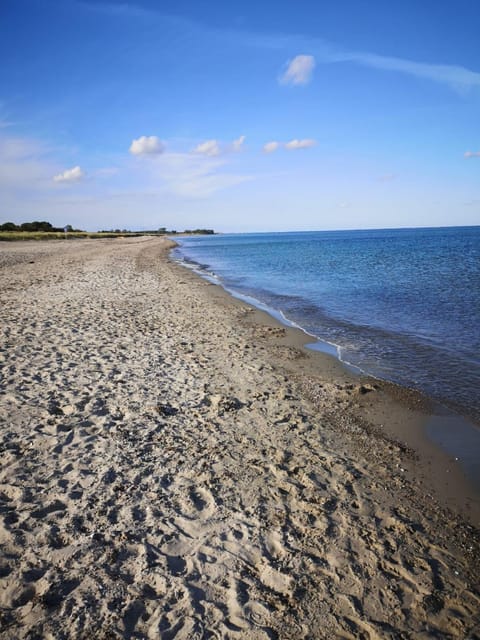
column 429, row 431
column 178, row 464
column 455, row 390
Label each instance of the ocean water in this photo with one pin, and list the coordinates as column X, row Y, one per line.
column 402, row 305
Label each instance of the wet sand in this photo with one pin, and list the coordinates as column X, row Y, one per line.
column 176, row 464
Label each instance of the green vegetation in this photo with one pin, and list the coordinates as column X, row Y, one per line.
column 42, row 230
column 163, row 231
column 200, row 232
column 36, row 225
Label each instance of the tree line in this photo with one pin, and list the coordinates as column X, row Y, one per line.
column 36, row 225
column 44, row 226
column 163, row 231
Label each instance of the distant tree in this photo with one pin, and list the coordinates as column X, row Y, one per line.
column 8, row 226
column 36, row 225
column 204, row 232
column 44, row 226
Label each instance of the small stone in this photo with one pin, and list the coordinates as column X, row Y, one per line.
column 166, row 409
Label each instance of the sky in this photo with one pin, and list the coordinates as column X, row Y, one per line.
column 240, row 116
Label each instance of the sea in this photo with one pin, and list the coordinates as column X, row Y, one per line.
column 399, row 304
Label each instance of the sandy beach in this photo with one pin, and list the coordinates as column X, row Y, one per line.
column 175, row 464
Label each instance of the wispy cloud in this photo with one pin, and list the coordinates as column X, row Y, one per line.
column 146, row 145
column 292, row 145
column 13, row 148
column 298, row 70
column 190, row 175
column 208, row 148
column 25, row 164
column 472, row 154
column 213, row 148
column 306, row 143
column 238, row 144
column 456, row 77
column 270, row 147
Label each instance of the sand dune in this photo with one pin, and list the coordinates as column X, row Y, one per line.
column 174, row 466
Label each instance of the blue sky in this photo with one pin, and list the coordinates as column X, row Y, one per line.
column 240, row 116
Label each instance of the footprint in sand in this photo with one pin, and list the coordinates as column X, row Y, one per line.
column 276, row 580
column 274, row 545
column 235, row 593
column 257, row 613
column 197, row 504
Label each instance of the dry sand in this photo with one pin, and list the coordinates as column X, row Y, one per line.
column 175, row 465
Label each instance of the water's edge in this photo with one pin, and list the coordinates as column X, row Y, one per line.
column 443, row 426
column 399, row 306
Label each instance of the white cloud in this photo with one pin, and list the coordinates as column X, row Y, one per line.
column 212, row 148
column 147, row 145
column 299, row 70
column 188, row 182
column 238, row 143
column 472, row 154
column 270, row 147
column 300, row 144
column 70, row 175
column 208, row 148
column 458, row 78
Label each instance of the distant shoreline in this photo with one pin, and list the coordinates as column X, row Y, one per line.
column 17, row 236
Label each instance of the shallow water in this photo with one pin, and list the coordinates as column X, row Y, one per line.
column 401, row 304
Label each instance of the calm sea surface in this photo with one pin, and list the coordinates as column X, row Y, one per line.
column 401, row 304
